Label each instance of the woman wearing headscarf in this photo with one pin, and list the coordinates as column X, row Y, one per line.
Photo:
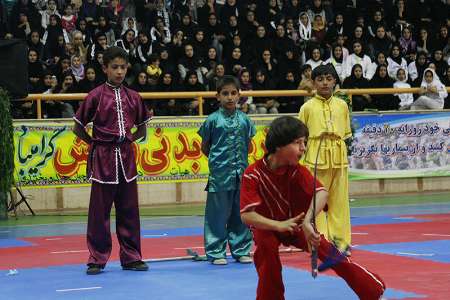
column 432, row 92
column 381, row 79
column 416, row 69
column 337, row 61
column 358, row 57
column 357, row 81
column 395, row 61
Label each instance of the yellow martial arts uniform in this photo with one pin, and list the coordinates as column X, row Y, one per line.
column 330, row 118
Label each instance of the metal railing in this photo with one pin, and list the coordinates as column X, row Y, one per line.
column 200, row 96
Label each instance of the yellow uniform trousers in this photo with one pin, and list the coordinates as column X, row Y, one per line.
column 335, row 223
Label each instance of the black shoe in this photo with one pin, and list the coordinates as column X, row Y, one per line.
column 136, row 266
column 94, row 269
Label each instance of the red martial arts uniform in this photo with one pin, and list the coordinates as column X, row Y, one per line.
column 280, row 197
column 112, row 169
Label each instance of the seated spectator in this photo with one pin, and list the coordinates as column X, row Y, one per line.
column 281, row 42
column 89, row 11
column 424, row 42
column 432, row 92
column 153, row 68
column 245, row 104
column 318, row 31
column 77, row 67
column 219, row 72
column 357, row 81
column 113, row 13
column 35, row 70
column 144, row 48
column 190, row 62
column 260, row 43
column 305, row 31
column 289, row 62
column 377, row 22
column 315, row 58
column 68, row 85
column 264, row 105
column 268, row 65
column 416, row 69
column 339, row 63
column 160, row 33
column 380, row 59
column 192, row 84
column 380, row 80
column 78, row 45
column 49, row 11
column 336, row 28
column 211, row 62
column 289, row 104
column 166, row 61
column 235, row 63
column 306, row 82
column 380, row 43
column 140, row 83
column 69, row 19
column 88, row 36
column 129, row 23
column 90, row 81
column 405, row 99
column 22, row 29
column 34, row 42
column 358, row 57
column 395, row 61
column 407, row 43
column 441, row 65
column 168, row 107
column 199, row 43
column 105, row 27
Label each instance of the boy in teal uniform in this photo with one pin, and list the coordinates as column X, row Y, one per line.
column 226, row 135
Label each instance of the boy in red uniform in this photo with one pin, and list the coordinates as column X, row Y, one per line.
column 114, row 110
column 276, row 195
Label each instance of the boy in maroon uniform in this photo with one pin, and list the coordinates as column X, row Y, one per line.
column 276, row 195
column 114, row 110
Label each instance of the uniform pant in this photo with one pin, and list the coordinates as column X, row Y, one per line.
column 367, row 285
column 125, row 198
column 223, row 225
column 335, row 223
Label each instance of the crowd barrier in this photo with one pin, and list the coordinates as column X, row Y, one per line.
column 200, row 96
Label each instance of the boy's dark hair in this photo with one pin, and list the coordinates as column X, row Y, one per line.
column 112, row 53
column 227, row 80
column 323, row 70
column 283, row 131
column 154, row 57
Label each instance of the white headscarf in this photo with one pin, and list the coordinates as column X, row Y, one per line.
column 436, row 82
column 305, row 31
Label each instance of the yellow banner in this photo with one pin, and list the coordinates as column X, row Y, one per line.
column 48, row 154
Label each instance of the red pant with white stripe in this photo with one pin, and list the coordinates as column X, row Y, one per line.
column 367, row 285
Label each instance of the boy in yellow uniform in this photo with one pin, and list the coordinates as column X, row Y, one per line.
column 328, row 121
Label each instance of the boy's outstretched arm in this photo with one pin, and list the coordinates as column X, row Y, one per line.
column 311, row 235
column 141, row 132
column 81, row 132
column 252, row 218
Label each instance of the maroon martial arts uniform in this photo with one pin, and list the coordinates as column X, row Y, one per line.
column 279, row 197
column 112, row 169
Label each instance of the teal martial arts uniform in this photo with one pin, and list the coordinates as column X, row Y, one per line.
column 228, row 136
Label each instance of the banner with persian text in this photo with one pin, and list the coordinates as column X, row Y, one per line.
column 384, row 146
column 400, row 145
column 49, row 154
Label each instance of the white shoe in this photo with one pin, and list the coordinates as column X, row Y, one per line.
column 220, row 261
column 245, row 259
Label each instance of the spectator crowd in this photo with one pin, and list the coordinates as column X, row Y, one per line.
column 187, row 45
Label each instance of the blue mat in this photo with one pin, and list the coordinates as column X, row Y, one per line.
column 438, row 250
column 181, row 280
column 12, row 243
